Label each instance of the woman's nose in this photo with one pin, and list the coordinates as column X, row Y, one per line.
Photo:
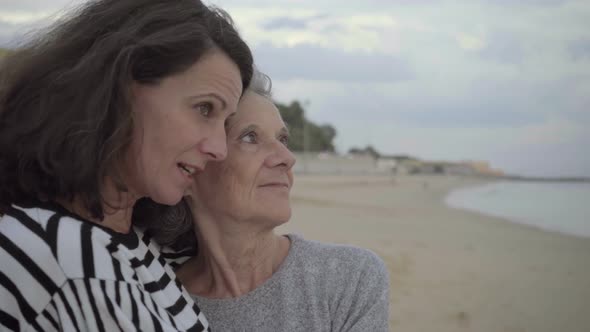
column 215, row 144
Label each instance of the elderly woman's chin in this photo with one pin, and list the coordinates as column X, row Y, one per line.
column 273, row 203
column 275, row 213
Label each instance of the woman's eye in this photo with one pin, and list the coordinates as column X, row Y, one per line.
column 249, row 138
column 205, row 109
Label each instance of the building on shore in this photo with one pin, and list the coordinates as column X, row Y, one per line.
column 368, row 163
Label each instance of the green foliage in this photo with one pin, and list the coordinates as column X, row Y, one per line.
column 320, row 137
column 368, row 150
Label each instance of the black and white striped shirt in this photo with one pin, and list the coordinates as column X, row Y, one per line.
column 61, row 273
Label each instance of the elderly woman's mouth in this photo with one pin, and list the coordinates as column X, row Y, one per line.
column 275, row 185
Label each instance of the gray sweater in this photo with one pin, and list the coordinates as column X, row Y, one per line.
column 318, row 287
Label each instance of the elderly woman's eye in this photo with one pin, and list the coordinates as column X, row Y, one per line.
column 204, row 109
column 249, row 138
column 284, row 140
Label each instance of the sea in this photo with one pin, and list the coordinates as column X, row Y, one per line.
column 562, row 207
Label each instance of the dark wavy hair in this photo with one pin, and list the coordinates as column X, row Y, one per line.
column 173, row 226
column 65, row 108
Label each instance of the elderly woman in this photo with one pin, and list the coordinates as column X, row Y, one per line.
column 122, row 100
column 244, row 275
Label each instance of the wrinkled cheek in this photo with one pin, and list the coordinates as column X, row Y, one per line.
column 238, row 192
column 250, row 148
column 215, row 188
column 231, row 190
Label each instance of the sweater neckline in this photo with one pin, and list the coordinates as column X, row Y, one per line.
column 265, row 287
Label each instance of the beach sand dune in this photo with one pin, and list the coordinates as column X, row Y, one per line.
column 450, row 270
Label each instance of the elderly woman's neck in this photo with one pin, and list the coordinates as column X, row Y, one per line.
column 234, row 263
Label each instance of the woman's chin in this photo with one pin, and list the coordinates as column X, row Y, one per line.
column 168, row 198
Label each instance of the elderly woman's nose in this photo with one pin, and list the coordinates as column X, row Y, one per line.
column 280, row 156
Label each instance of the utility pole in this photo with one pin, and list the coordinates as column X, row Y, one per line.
column 305, row 138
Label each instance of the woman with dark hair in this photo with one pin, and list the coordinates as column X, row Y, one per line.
column 123, row 99
column 244, row 275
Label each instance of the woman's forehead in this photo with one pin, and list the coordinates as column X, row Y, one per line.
column 254, row 108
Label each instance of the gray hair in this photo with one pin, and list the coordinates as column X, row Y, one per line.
column 173, row 226
column 261, row 84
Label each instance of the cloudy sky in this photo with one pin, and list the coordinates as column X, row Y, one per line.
column 498, row 80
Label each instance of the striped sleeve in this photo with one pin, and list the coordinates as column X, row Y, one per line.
column 62, row 274
column 91, row 305
column 29, row 276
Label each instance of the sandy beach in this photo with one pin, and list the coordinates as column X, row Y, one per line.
column 450, row 270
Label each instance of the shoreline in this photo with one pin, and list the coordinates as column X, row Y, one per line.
column 513, row 220
column 450, row 269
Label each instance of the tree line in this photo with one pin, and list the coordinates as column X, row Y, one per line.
column 320, row 138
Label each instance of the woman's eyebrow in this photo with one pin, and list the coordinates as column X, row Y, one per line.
column 210, row 95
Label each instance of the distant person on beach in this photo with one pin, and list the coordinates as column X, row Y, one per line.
column 120, row 100
column 242, row 274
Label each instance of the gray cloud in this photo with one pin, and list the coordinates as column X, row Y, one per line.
column 6, row 33
column 37, row 5
column 526, row 2
column 285, row 22
column 333, row 28
column 483, row 107
column 316, row 63
column 503, row 47
column 485, row 104
column 470, row 114
column 579, row 49
column 12, row 35
column 328, row 3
